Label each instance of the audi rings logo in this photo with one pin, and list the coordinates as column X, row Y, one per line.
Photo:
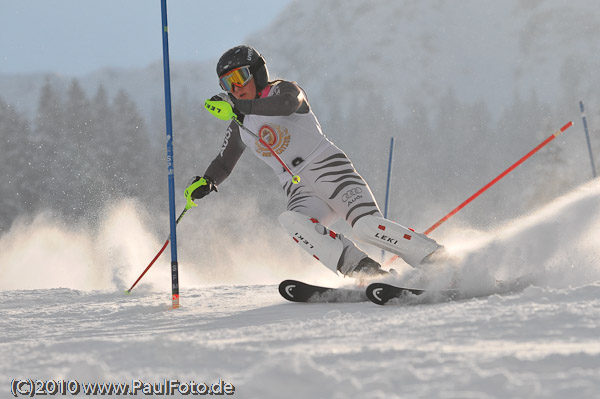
column 352, row 195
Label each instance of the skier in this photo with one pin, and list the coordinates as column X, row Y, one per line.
column 328, row 188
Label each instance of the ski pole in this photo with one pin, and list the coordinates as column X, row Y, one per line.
column 491, row 183
column 295, row 178
column 189, row 204
column 224, row 110
column 127, row 292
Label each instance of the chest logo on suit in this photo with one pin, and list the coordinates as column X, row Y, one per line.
column 275, row 136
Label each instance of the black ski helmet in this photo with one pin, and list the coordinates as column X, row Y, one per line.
column 240, row 56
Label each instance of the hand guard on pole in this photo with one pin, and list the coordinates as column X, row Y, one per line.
column 199, row 188
column 222, row 107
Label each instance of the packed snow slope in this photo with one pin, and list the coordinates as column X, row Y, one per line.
column 64, row 315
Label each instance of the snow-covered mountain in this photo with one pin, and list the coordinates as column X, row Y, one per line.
column 405, row 51
column 415, row 52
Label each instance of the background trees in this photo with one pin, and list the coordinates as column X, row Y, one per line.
column 77, row 154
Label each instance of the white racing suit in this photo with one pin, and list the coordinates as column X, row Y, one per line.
column 329, row 189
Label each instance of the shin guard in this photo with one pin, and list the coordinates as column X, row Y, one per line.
column 333, row 250
column 410, row 246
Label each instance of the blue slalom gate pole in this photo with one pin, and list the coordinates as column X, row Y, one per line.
column 587, row 137
column 389, row 179
column 388, row 185
column 170, row 161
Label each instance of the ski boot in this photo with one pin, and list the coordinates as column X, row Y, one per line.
column 368, row 268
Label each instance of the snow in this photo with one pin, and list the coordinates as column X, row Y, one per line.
column 541, row 342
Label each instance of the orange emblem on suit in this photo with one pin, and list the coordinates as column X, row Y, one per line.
column 276, row 137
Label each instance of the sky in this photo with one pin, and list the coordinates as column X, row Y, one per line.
column 76, row 37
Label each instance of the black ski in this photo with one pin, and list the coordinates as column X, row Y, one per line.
column 382, row 293
column 297, row 291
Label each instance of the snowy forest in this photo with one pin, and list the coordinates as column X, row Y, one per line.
column 463, row 105
column 78, row 151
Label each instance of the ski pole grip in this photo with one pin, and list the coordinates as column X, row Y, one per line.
column 220, row 109
column 191, row 188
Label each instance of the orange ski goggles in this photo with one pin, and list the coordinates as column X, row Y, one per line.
column 236, row 77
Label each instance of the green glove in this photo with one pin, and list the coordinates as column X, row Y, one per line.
column 199, row 187
column 221, row 107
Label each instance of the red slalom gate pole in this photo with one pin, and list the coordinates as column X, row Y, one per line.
column 494, row 181
column 500, row 176
column 150, row 265
column 127, row 292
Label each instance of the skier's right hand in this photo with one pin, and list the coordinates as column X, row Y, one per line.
column 222, row 106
